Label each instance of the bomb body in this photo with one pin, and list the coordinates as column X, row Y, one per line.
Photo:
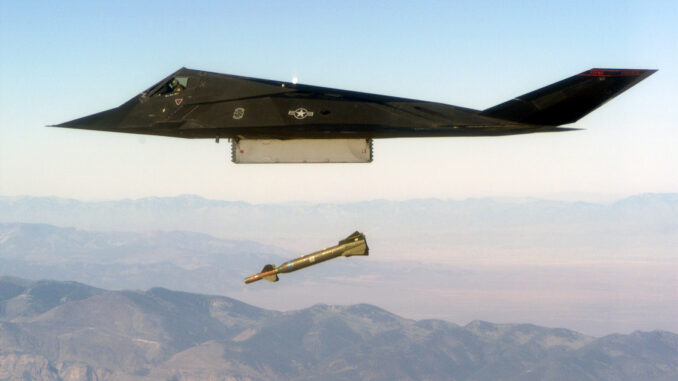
column 354, row 244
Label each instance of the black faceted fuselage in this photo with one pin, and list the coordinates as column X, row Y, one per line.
column 198, row 104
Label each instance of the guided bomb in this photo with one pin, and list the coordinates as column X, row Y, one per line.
column 354, row 244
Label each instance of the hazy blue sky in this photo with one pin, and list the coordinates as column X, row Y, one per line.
column 62, row 60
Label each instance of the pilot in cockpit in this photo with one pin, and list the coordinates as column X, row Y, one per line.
column 175, row 86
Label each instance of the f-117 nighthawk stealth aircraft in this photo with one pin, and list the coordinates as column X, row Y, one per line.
column 281, row 122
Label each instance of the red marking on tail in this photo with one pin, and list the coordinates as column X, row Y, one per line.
column 612, row 73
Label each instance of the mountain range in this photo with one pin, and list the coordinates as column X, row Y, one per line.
column 451, row 231
column 598, row 268
column 53, row 330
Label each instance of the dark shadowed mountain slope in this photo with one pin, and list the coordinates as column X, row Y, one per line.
column 129, row 260
column 19, row 298
column 79, row 332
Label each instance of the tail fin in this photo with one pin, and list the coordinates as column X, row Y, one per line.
column 360, row 249
column 355, row 236
column 570, row 99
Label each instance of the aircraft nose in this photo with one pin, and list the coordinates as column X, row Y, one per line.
column 106, row 120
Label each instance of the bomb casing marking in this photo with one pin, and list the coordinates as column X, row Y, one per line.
column 354, row 244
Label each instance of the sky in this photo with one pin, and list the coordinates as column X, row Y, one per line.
column 63, row 60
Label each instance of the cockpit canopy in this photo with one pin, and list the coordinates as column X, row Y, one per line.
column 169, row 87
